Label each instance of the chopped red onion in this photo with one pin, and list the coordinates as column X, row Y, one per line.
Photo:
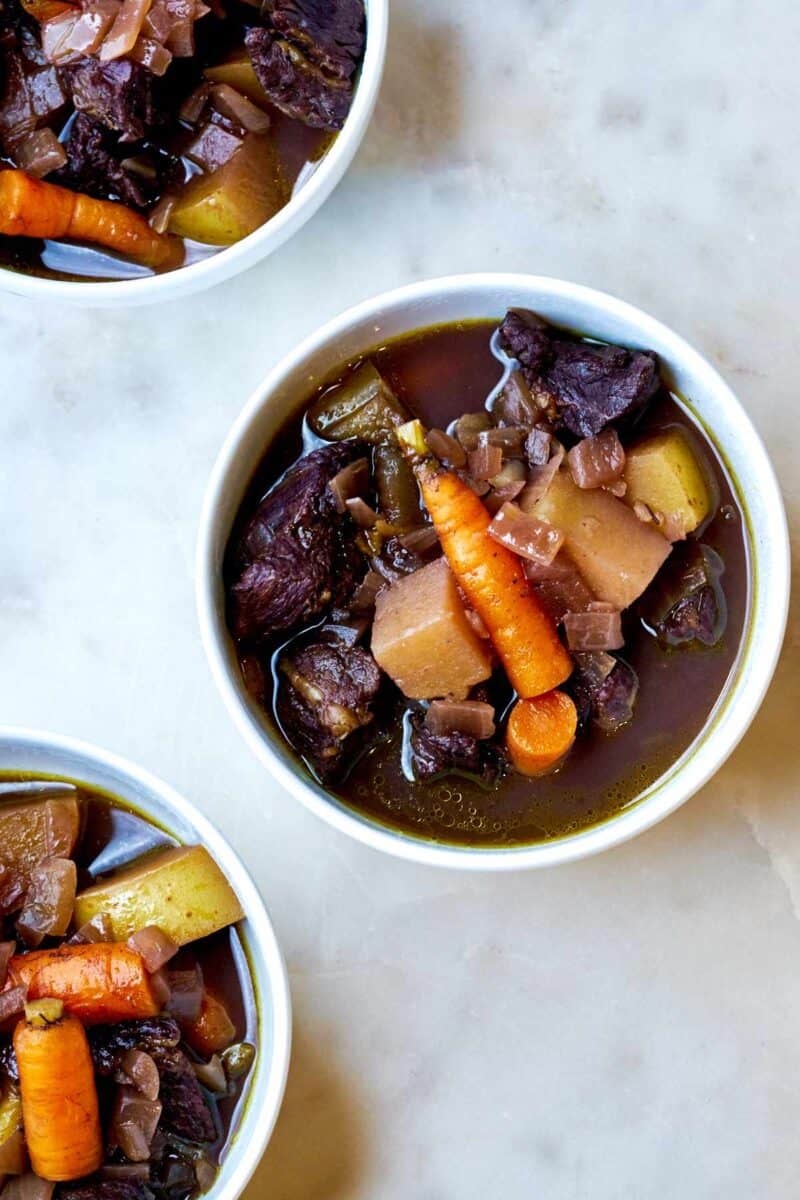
column 160, row 988
column 361, row 512
column 236, row 106
column 129, row 1170
column 134, row 1121
column 49, row 902
column 604, row 606
column 28, row 1187
column 559, row 586
column 562, row 567
column 92, row 26
column 159, row 22
column 39, row 153
column 213, row 147
column 12, row 1003
column 597, row 461
column 56, row 34
column 421, row 540
column 12, row 891
column 350, row 632
column 180, row 39
column 99, row 929
column 212, row 1074
column 186, row 998
column 140, row 1071
column 516, row 401
column 618, row 488
column 155, row 947
column 152, row 55
column 537, row 447
column 159, row 217
column 510, row 439
column 350, row 482
column 596, row 665
column 473, row 717
column 470, row 425
column 13, row 1155
column 446, row 447
column 7, row 951
column 485, row 461
column 126, row 29
column 593, row 631
column 526, row 535
column 512, row 473
column 195, row 103
column 479, row 486
column 540, row 478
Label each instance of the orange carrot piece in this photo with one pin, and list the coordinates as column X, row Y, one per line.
column 213, row 1030
column 541, row 731
column 46, row 10
column 60, row 1110
column 33, row 208
column 100, row 983
column 492, row 578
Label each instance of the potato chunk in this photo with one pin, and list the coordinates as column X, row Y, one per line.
column 664, row 472
column 237, row 71
column 422, row 639
column 182, row 890
column 226, row 205
column 30, row 833
column 616, row 553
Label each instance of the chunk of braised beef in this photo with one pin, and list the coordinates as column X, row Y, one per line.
column 120, row 94
column 604, row 689
column 583, row 387
column 95, row 166
column 331, row 32
column 296, row 554
column 686, row 603
column 294, row 84
column 185, row 1111
column 440, row 754
column 326, row 698
column 109, row 1042
column 107, row 1189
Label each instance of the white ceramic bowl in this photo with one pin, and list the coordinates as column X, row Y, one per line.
column 488, row 296
column 28, row 750
column 244, row 254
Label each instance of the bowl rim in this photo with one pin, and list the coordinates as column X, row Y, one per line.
column 723, row 729
column 268, row 1084
column 232, row 260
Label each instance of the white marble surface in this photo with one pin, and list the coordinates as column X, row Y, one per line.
column 624, row 1029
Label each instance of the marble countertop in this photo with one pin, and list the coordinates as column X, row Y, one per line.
column 627, row 1028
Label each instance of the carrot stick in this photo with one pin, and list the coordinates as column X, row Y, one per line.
column 541, row 731
column 100, row 983
column 60, row 1110
column 212, row 1030
column 492, row 578
column 33, row 208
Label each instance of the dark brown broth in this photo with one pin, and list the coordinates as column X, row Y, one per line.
column 113, row 835
column 442, row 373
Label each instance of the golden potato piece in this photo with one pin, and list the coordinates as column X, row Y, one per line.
column 616, row 553
column 665, row 473
column 182, row 890
column 422, row 639
column 237, row 71
column 226, row 205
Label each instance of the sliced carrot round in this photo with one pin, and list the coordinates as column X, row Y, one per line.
column 541, row 731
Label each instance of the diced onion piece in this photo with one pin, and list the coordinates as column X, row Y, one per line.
column 473, row 717
column 526, row 535
column 140, row 1070
column 597, row 461
column 28, row 1187
column 159, row 217
column 485, row 461
column 92, row 26
column 55, row 35
column 537, row 447
column 124, row 32
column 517, row 403
column 468, row 428
column 446, row 448
column 618, row 488
column 361, row 512
column 7, row 949
column 350, row 482
column 152, row 55
column 39, row 152
column 593, row 631
column 511, row 439
column 99, row 929
column 596, row 665
column 155, row 947
column 195, row 103
column 134, row 1120
column 212, row 1074
column 50, row 901
column 180, row 39
column 511, row 474
column 160, row 987
column 559, row 586
column 421, row 540
column 363, row 597
column 127, row 1170
column 236, row 106
column 13, row 1156
column 159, row 21
column 186, row 998
column 213, row 147
column 540, row 478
